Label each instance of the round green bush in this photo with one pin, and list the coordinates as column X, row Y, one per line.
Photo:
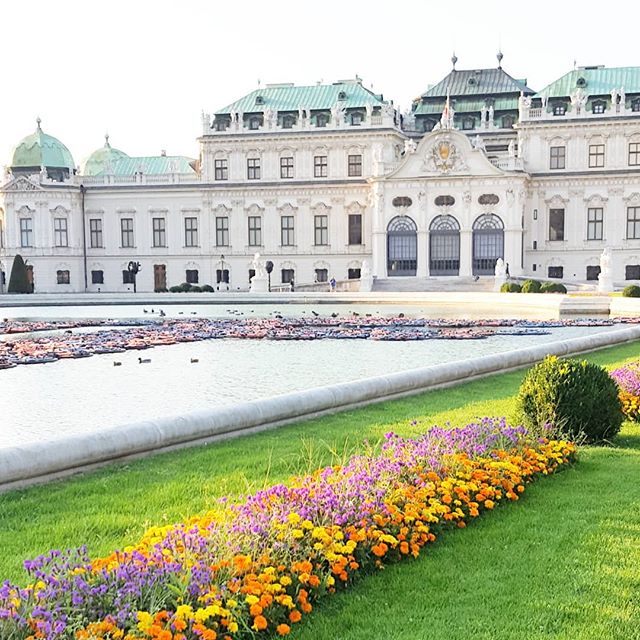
column 531, row 286
column 631, row 291
column 553, row 287
column 207, row 288
column 578, row 398
column 176, row 288
column 184, row 287
column 195, row 288
column 510, row 287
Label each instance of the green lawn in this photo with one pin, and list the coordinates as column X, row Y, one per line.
column 564, row 562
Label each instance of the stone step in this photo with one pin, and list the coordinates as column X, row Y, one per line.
column 398, row 283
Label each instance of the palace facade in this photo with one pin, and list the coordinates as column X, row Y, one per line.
column 323, row 178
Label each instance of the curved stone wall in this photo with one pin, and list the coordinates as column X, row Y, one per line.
column 31, row 463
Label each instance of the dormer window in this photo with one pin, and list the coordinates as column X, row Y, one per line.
column 322, row 119
column 469, row 122
column 342, row 95
column 581, row 82
column 288, row 121
column 598, row 106
column 559, row 109
column 259, row 100
column 472, row 82
column 356, row 118
column 507, row 122
column 255, row 123
column 635, row 105
column 221, row 125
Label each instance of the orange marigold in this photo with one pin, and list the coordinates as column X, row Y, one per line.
column 283, row 629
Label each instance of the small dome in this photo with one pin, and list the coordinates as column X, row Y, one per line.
column 41, row 150
column 101, row 159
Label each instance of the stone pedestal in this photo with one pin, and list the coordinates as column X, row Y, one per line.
column 366, row 283
column 498, row 281
column 605, row 283
column 259, row 284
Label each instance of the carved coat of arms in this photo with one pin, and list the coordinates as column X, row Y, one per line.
column 444, row 157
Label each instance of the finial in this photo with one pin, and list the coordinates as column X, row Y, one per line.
column 38, row 121
column 499, row 56
column 454, row 59
column 106, row 140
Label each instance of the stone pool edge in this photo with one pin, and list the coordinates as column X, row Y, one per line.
column 35, row 463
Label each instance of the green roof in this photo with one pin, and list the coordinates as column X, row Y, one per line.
column 596, row 81
column 476, row 82
column 287, row 97
column 462, row 105
column 148, row 165
column 40, row 149
column 95, row 164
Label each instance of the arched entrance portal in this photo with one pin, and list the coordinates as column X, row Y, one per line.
column 444, row 247
column 488, row 244
column 402, row 247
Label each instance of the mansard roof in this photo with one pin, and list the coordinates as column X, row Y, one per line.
column 287, row 97
column 477, row 82
column 149, row 165
column 595, row 81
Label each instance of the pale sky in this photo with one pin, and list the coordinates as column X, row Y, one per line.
column 143, row 70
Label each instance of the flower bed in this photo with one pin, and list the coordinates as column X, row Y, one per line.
column 257, row 567
column 628, row 381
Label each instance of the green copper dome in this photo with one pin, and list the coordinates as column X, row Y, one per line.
column 101, row 159
column 40, row 149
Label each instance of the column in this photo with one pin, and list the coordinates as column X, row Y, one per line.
column 512, row 248
column 379, row 254
column 466, row 252
column 423, row 253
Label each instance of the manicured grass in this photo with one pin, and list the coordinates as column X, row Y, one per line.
column 561, row 563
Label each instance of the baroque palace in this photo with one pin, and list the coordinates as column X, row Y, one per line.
column 326, row 180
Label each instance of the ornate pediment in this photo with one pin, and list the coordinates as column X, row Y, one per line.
column 21, row 183
column 444, row 156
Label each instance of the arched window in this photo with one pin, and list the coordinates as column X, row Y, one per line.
column 559, row 109
column 598, row 106
column 255, row 122
column 488, row 243
column 356, row 118
column 444, row 246
column 507, row 122
column 402, row 247
column 468, row 123
column 635, row 105
column 288, row 121
column 322, row 119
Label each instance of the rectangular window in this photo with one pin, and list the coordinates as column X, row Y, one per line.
column 62, row 276
column 287, row 238
column 322, row 275
column 321, row 230
column 556, row 224
column 596, row 155
column 634, row 154
column 594, row 223
column 555, row 272
column 97, row 277
column 287, row 275
column 593, row 272
column 127, row 277
column 95, row 233
column 26, row 232
column 633, row 223
column 353, row 274
column 126, row 233
column 159, row 232
column 222, row 231
column 61, row 237
column 253, row 169
column 255, row 231
column 632, row 272
column 192, row 276
column 355, row 165
column 190, row 232
column 221, row 168
column 355, row 228
column 557, row 157
column 320, row 166
column 286, row 167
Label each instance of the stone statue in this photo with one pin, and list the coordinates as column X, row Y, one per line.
column 623, row 98
column 490, row 114
column 337, row 115
column 483, row 115
column 369, row 110
column 512, row 149
column 258, row 266
column 614, row 98
column 605, row 261
column 478, row 142
column 300, row 116
column 234, row 116
column 365, row 270
column 409, row 147
column 605, row 279
column 500, row 270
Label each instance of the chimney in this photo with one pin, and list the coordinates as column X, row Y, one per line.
column 163, row 153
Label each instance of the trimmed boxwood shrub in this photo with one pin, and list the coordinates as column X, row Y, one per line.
column 18, row 280
column 531, row 286
column 207, row 288
column 577, row 397
column 553, row 287
column 631, row 291
column 510, row 287
column 195, row 288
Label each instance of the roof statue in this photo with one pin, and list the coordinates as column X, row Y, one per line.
column 446, row 121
